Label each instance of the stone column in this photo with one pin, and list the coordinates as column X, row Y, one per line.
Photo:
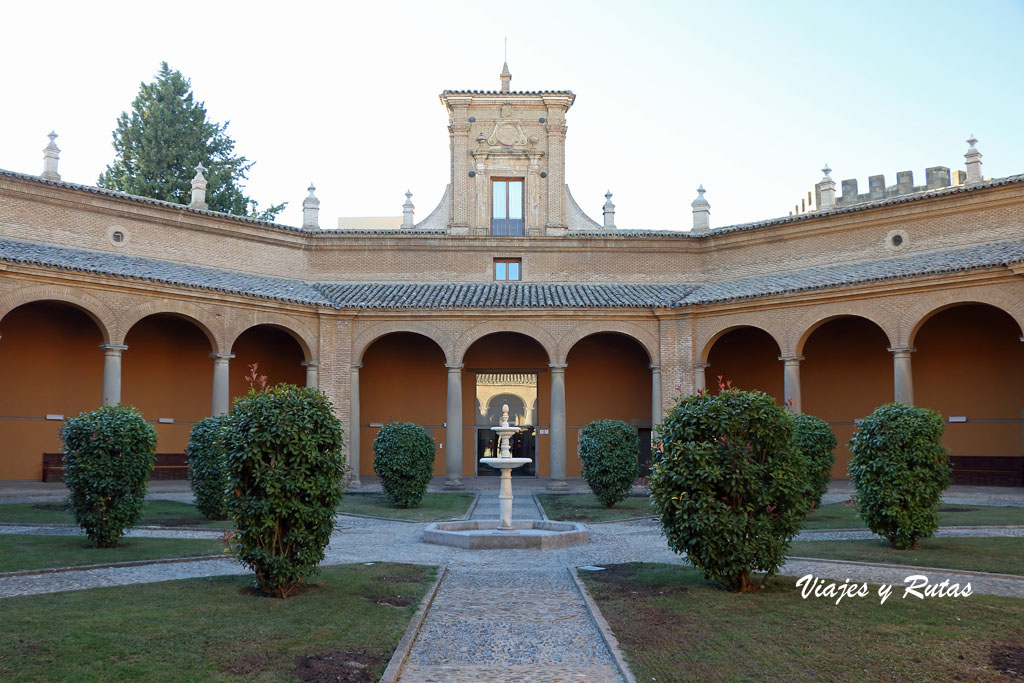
column 221, row 383
column 453, row 429
column 699, row 381
column 112, row 373
column 655, row 395
column 557, row 437
column 903, row 378
column 353, row 428
column 312, row 373
column 791, row 382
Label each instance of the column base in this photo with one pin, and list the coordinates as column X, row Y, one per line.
column 557, row 485
column 454, row 485
column 354, row 483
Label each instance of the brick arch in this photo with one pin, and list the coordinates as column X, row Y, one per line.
column 805, row 325
column 99, row 312
column 532, row 330
column 198, row 315
column 919, row 313
column 637, row 333
column 294, row 327
column 364, row 339
column 707, row 338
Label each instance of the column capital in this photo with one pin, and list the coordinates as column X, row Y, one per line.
column 310, row 363
column 454, row 367
column 356, row 366
column 558, row 367
column 216, row 356
column 902, row 350
column 653, row 367
column 791, row 360
column 701, row 364
column 113, row 348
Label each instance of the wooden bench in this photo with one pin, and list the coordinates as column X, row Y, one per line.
column 169, row 466
column 983, row 470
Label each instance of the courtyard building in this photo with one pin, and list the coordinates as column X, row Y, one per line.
column 507, row 292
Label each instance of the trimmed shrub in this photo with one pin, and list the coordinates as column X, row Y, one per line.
column 108, row 456
column 403, row 458
column 285, row 472
column 208, row 467
column 899, row 470
column 730, row 485
column 817, row 444
column 610, row 451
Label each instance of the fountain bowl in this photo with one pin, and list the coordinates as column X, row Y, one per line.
column 525, row 535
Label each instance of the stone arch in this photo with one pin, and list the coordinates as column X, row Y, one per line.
column 918, row 314
column 805, row 325
column 194, row 313
column 364, row 339
column 540, row 335
column 99, row 312
column 710, row 337
column 637, row 333
column 294, row 327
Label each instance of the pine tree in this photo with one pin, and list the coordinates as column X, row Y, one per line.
column 162, row 140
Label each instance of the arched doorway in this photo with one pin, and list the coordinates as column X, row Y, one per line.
column 748, row 357
column 278, row 356
column 52, row 368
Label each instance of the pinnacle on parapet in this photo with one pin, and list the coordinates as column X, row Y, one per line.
column 51, row 155
column 609, row 211
column 407, row 211
column 826, row 190
column 826, row 170
column 701, row 211
column 973, row 158
column 199, row 189
column 506, row 78
column 311, row 210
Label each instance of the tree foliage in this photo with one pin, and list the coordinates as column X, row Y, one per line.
column 403, row 458
column 165, row 136
column 817, row 444
column 610, row 452
column 208, row 467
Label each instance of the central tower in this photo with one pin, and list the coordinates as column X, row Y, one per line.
column 508, row 160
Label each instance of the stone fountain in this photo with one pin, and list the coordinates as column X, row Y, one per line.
column 503, row 533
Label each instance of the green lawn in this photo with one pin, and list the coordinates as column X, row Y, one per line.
column 1001, row 555
column 154, row 513
column 214, row 629
column 584, row 507
column 19, row 553
column 843, row 516
column 433, row 507
column 672, row 626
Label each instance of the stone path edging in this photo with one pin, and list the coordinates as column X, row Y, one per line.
column 404, row 647
column 602, row 626
column 908, row 567
column 113, row 565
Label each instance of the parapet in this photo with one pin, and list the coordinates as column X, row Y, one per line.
column 935, row 178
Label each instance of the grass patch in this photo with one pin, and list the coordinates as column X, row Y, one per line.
column 673, row 625
column 343, row 627
column 843, row 516
column 433, row 507
column 154, row 513
column 20, row 553
column 1001, row 555
column 584, row 507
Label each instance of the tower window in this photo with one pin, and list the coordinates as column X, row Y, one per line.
column 507, row 206
column 508, row 269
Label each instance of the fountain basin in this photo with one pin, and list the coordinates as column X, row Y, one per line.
column 525, row 535
column 505, row 463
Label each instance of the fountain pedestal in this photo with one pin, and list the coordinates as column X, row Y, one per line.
column 506, row 463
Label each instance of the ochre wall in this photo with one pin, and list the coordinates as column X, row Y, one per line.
column 749, row 358
column 50, row 363
column 167, row 372
column 607, row 378
column 403, row 379
column 970, row 362
column 846, row 374
column 505, row 351
column 277, row 354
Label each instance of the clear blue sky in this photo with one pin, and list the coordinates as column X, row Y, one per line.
column 748, row 98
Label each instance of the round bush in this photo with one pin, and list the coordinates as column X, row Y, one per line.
column 403, row 458
column 285, row 471
column 899, row 470
column 208, row 467
column 817, row 444
column 610, row 451
column 108, row 456
column 730, row 485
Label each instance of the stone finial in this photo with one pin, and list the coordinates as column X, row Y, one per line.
column 506, row 78
column 199, row 189
column 407, row 211
column 609, row 210
column 973, row 158
column 701, row 212
column 51, row 155
column 311, row 210
column 826, row 190
column 504, row 415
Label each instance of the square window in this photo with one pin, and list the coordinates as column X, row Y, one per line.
column 508, row 269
